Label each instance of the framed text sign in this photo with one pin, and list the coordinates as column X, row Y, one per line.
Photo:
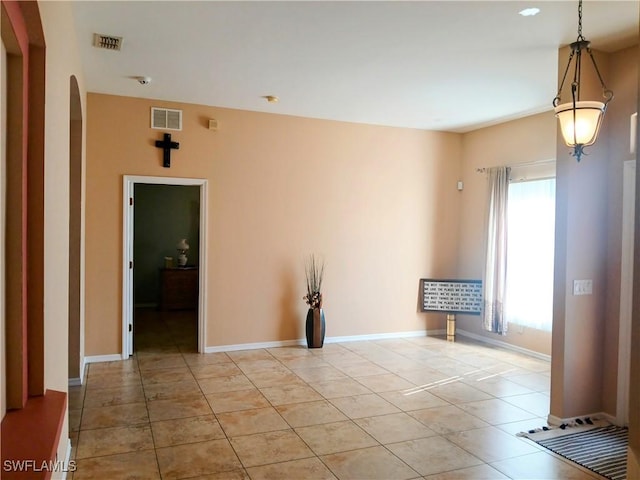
column 451, row 296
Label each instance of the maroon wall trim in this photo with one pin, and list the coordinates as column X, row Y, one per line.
column 16, row 39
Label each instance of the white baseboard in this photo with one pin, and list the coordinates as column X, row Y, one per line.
column 436, row 333
column 303, row 341
column 67, row 459
column 288, row 343
column 253, row 346
column 383, row 336
column 553, row 420
column 611, row 419
column 102, row 358
column 83, row 369
column 505, row 345
column 78, row 381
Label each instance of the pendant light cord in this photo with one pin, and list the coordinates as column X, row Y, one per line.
column 580, row 37
column 580, row 44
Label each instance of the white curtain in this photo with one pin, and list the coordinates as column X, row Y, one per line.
column 495, row 272
column 529, row 296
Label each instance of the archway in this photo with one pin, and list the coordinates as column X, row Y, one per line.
column 75, row 233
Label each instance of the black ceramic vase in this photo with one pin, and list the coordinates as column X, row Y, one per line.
column 315, row 328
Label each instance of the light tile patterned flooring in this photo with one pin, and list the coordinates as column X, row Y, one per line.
column 414, row 408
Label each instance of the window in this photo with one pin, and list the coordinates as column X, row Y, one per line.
column 530, row 240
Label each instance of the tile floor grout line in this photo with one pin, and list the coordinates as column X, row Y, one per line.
column 146, row 405
column 381, row 354
column 227, row 437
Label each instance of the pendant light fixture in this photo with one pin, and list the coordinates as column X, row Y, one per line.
column 580, row 120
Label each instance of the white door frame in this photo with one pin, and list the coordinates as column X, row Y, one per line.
column 626, row 292
column 129, row 182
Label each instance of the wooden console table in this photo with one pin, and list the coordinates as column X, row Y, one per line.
column 179, row 288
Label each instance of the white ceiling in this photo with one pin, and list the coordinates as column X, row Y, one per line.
column 436, row 65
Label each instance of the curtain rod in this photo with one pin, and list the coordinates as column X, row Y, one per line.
column 525, row 164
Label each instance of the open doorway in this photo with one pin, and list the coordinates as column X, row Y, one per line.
column 163, row 299
column 166, row 224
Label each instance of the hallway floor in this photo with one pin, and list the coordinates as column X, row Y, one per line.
column 406, row 408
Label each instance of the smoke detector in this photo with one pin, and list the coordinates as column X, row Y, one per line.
column 108, row 42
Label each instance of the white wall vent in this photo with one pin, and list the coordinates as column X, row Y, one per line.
column 108, row 42
column 166, row 119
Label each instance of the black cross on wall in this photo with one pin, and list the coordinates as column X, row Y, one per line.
column 167, row 145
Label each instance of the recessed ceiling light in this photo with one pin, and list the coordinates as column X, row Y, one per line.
column 529, row 12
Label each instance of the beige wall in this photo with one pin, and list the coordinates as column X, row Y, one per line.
column 62, row 62
column 588, row 245
column 379, row 203
column 581, row 216
column 523, row 141
column 623, row 81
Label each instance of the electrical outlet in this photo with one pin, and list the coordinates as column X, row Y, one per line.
column 583, row 287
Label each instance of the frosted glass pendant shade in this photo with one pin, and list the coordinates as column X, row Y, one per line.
column 588, row 118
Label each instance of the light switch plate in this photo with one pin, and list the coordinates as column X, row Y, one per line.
column 583, row 287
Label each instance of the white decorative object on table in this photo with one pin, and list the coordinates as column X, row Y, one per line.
column 183, row 249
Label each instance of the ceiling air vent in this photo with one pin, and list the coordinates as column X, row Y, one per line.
column 108, row 42
column 166, row 119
